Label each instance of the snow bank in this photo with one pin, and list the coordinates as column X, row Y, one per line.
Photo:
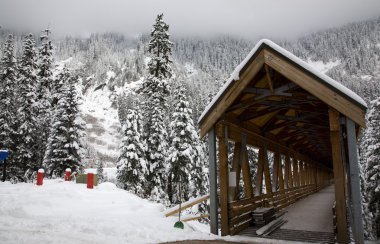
column 65, row 212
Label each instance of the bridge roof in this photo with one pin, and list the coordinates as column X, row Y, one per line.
column 278, row 96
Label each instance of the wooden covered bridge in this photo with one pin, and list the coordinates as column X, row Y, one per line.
column 277, row 103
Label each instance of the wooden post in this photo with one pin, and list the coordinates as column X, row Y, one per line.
column 259, row 174
column 302, row 173
column 268, row 181
column 223, row 179
column 295, row 172
column 248, row 190
column 236, row 167
column 339, row 176
column 287, row 170
column 357, row 224
column 280, row 175
column 276, row 169
column 213, row 182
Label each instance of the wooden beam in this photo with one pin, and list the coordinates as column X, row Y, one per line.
column 270, row 82
column 296, row 176
column 287, row 172
column 280, row 174
column 230, row 94
column 260, row 171
column 276, row 169
column 186, row 205
column 256, row 139
column 354, row 179
column 339, row 176
column 315, row 87
column 236, row 167
column 268, row 181
column 223, row 179
column 248, row 189
column 213, row 182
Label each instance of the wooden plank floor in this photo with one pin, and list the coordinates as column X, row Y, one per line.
column 309, row 220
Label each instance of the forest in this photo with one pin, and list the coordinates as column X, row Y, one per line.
column 42, row 125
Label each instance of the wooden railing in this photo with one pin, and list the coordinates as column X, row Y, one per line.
column 240, row 211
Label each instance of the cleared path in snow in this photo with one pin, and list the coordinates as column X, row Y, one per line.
column 313, row 213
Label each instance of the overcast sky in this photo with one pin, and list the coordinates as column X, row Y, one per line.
column 247, row 18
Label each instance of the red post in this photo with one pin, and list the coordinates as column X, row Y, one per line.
column 90, row 180
column 68, row 174
column 40, row 177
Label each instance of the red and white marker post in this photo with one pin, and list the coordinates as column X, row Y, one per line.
column 90, row 180
column 40, row 177
column 68, row 174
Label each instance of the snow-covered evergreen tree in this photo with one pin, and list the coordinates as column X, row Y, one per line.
column 160, row 49
column 373, row 161
column 64, row 149
column 182, row 152
column 99, row 172
column 44, row 94
column 155, row 91
column 26, row 151
column 368, row 218
column 132, row 166
column 7, row 89
column 8, row 104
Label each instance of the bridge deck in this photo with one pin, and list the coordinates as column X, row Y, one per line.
column 309, row 219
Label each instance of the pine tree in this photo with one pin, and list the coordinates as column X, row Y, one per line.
column 161, row 48
column 8, row 104
column 64, row 149
column 373, row 161
column 132, row 166
column 44, row 92
column 26, row 151
column 99, row 172
column 155, row 91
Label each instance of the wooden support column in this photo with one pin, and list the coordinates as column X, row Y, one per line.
column 260, row 171
column 268, row 181
column 290, row 170
column 296, row 177
column 213, row 182
column 280, row 175
column 276, row 169
column 302, row 173
column 357, row 225
column 286, row 171
column 223, row 179
column 236, row 167
column 248, row 189
column 339, row 176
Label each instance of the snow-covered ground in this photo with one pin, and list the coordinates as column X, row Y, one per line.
column 102, row 124
column 65, row 212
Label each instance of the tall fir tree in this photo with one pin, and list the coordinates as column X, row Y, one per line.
column 8, row 104
column 26, row 151
column 184, row 152
column 373, row 162
column 44, row 91
column 64, row 149
column 155, row 92
column 160, row 48
column 132, row 166
column 368, row 217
